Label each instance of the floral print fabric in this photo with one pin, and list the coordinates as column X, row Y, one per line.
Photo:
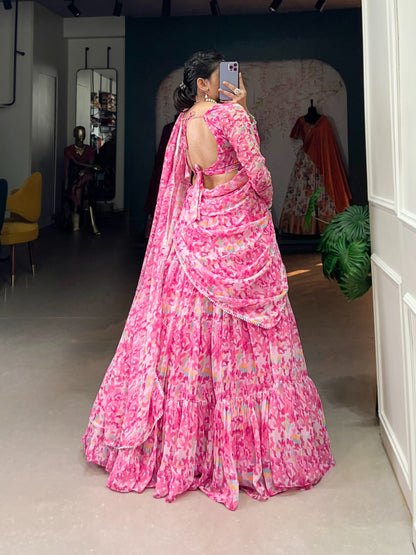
column 318, row 164
column 204, row 392
column 304, row 182
column 225, row 239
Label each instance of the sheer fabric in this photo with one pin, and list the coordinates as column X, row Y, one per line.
column 208, row 387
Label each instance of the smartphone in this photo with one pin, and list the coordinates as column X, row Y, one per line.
column 228, row 72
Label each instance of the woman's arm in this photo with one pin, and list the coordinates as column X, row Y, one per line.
column 241, row 132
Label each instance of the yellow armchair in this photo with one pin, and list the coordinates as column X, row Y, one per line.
column 24, row 205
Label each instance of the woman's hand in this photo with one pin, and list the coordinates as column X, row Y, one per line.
column 238, row 96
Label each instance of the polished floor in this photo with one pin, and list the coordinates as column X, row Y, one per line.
column 58, row 332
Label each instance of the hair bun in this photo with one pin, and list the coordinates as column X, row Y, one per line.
column 200, row 64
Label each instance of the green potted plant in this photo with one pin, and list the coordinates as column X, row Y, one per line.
column 345, row 248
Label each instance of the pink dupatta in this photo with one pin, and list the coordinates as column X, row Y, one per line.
column 131, row 395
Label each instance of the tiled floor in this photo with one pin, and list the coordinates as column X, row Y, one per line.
column 58, row 332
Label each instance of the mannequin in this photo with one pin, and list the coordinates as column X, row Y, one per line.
column 79, row 171
column 312, row 116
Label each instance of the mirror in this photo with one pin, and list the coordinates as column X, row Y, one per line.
column 96, row 110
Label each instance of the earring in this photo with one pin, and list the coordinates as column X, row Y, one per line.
column 208, row 99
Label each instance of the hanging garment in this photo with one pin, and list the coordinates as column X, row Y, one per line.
column 318, row 165
column 153, row 191
column 208, row 387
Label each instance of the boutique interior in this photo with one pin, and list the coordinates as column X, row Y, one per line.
column 96, row 77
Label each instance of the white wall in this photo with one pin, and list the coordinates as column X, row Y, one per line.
column 100, row 33
column 390, row 93
column 16, row 120
column 49, row 137
column 7, row 28
column 26, row 144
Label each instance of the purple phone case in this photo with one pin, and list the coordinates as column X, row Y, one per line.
column 228, row 72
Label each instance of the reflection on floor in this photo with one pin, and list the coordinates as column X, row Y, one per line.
column 58, row 333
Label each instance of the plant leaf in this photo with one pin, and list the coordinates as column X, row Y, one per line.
column 310, row 212
column 331, row 259
column 354, row 258
column 329, row 265
column 354, row 222
column 349, row 265
column 354, row 286
column 329, row 238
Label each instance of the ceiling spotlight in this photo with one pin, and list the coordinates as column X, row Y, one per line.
column 320, row 5
column 74, row 10
column 274, row 6
column 215, row 9
column 7, row 4
column 118, row 6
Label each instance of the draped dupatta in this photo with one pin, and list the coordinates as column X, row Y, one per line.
column 131, row 394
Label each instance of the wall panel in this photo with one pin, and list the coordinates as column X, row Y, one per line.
column 392, row 391
column 378, row 100
column 385, row 235
column 410, row 342
column 390, row 92
column 406, row 14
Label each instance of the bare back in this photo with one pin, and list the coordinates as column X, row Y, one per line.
column 202, row 145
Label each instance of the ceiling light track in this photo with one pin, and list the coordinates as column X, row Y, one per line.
column 215, row 9
column 274, row 6
column 118, row 6
column 73, row 9
column 320, row 5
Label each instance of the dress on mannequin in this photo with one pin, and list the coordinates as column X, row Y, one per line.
column 318, row 165
column 79, row 170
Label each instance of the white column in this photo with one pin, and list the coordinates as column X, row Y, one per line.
column 390, row 111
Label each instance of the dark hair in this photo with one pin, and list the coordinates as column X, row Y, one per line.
column 201, row 64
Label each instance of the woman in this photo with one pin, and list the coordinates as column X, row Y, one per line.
column 208, row 387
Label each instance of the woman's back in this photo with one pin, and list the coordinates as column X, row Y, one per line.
column 206, row 149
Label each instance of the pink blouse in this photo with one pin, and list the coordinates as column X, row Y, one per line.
column 237, row 145
column 224, row 237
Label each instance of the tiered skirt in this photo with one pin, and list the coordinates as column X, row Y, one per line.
column 237, row 409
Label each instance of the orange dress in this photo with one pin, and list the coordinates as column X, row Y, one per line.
column 318, row 164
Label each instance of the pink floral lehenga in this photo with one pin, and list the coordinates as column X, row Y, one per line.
column 208, row 387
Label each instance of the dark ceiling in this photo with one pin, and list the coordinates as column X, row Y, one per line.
column 153, row 8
